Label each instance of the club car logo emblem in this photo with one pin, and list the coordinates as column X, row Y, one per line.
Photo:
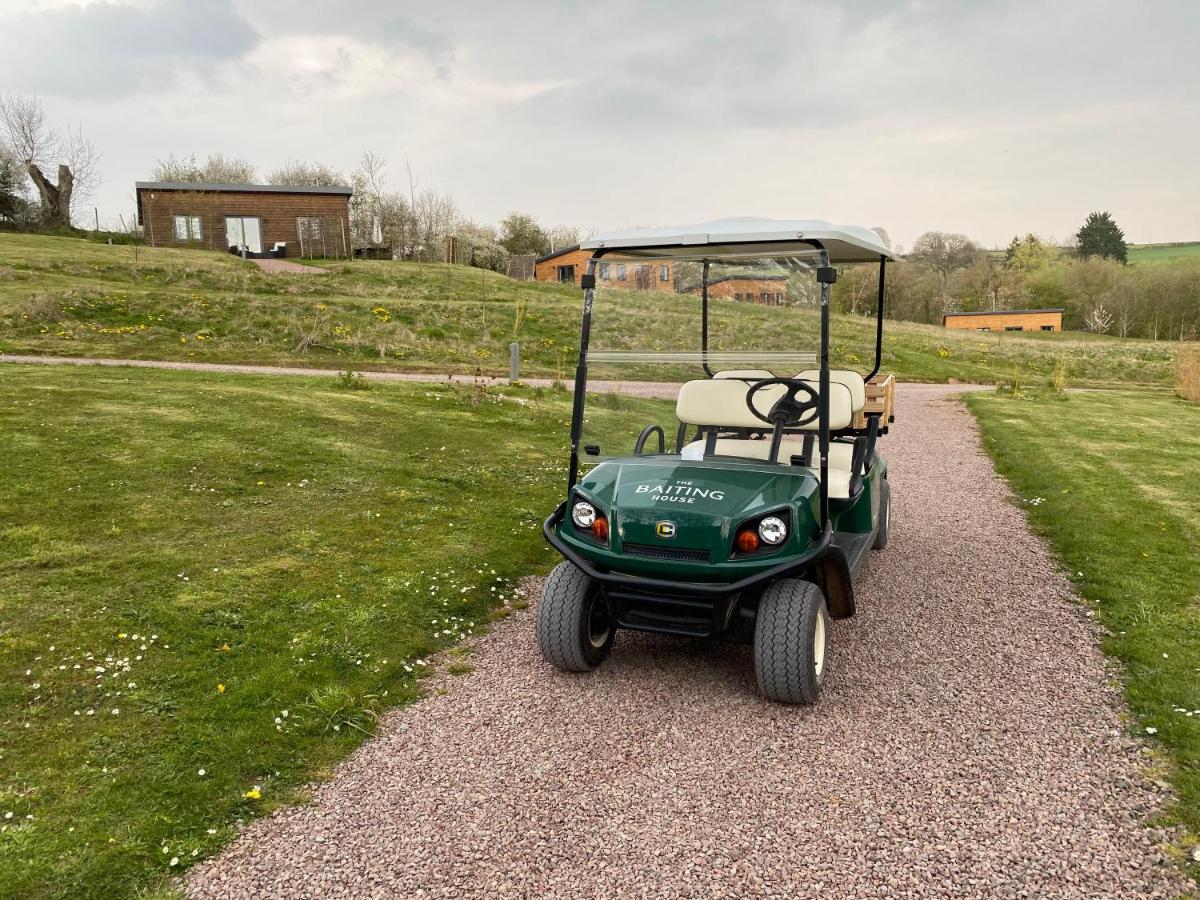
column 664, row 529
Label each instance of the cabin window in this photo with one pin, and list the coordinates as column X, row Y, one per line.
column 620, row 273
column 664, row 273
column 566, row 274
column 779, row 299
column 187, row 228
column 1013, row 328
column 604, row 271
column 1047, row 328
column 984, row 328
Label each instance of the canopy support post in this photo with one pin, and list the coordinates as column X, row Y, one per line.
column 704, row 320
column 879, row 320
column 823, row 386
column 588, row 282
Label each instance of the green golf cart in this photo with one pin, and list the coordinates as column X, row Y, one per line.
column 746, row 517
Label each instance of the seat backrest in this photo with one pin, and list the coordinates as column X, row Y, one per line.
column 745, row 374
column 848, row 377
column 722, row 402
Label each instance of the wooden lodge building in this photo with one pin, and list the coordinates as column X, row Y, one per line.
column 568, row 266
column 770, row 290
column 1006, row 320
column 256, row 220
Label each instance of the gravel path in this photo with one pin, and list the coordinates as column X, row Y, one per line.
column 658, row 389
column 967, row 744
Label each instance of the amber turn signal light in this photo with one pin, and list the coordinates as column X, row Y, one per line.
column 600, row 528
column 747, row 541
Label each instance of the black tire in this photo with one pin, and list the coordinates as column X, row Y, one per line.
column 792, row 621
column 885, row 517
column 574, row 624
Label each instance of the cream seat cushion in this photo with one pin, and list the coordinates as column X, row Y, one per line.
column 722, row 402
column 851, row 379
column 745, row 374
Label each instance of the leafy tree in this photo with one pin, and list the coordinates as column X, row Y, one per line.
column 1031, row 254
column 1013, row 246
column 298, row 173
column 943, row 252
column 13, row 204
column 521, row 234
column 217, row 169
column 1101, row 237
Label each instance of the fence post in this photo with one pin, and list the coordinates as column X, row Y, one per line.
column 514, row 362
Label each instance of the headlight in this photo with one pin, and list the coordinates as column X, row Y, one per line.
column 583, row 514
column 772, row 530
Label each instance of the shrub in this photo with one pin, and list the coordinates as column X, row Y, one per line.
column 352, row 381
column 1188, row 384
column 1058, row 378
column 41, row 308
column 1015, row 386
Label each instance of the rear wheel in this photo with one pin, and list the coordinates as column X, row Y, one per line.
column 791, row 640
column 885, row 516
column 575, row 627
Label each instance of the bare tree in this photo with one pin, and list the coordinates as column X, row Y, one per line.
column 83, row 161
column 38, row 146
column 369, row 203
column 942, row 252
column 562, row 236
column 1099, row 319
column 216, row 169
column 306, row 174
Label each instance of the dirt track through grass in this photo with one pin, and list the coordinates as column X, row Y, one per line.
column 968, row 743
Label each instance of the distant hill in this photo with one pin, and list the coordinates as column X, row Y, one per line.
column 1185, row 251
column 71, row 297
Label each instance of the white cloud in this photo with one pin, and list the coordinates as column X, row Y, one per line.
column 992, row 120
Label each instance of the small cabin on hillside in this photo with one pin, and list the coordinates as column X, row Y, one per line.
column 770, row 290
column 568, row 266
column 254, row 220
column 1006, row 320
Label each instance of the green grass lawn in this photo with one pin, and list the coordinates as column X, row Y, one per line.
column 1111, row 479
column 209, row 586
column 1152, row 254
column 69, row 297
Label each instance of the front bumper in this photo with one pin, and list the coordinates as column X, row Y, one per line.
column 790, row 566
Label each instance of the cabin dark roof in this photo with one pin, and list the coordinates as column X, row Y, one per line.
column 554, row 253
column 337, row 189
column 1001, row 312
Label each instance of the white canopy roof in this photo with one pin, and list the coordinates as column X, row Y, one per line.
column 745, row 237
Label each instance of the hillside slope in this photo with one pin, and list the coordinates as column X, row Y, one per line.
column 69, row 297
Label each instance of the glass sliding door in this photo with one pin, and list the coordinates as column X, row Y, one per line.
column 244, row 232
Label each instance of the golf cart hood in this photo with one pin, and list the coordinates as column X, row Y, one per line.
column 703, row 501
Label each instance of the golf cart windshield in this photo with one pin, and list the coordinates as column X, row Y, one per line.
column 650, row 334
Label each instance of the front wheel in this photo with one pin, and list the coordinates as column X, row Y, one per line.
column 791, row 639
column 575, row 627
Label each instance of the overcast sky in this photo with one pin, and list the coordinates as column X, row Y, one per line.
column 989, row 118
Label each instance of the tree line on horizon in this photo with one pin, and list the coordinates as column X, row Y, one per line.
column 1089, row 278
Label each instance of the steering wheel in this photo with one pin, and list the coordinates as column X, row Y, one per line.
column 788, row 411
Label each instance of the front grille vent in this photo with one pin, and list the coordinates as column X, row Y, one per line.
column 654, row 551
